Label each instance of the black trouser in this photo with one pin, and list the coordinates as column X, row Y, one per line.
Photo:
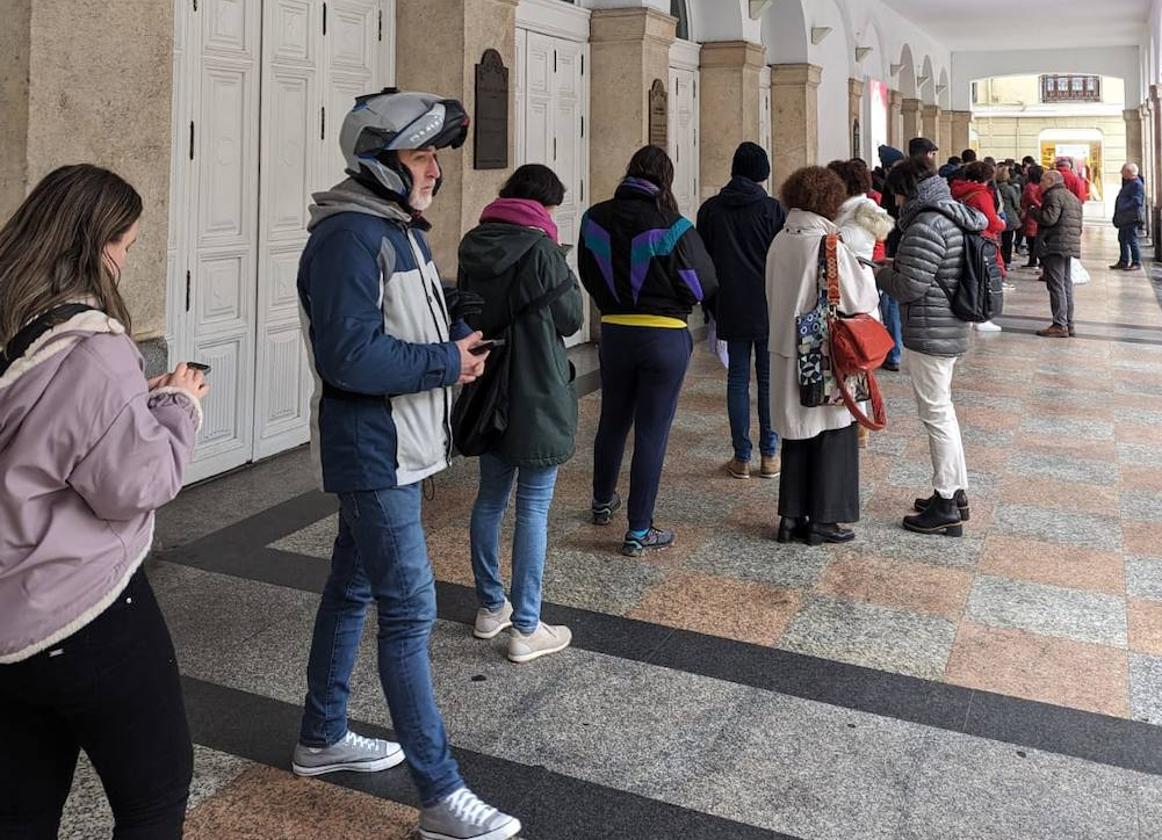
column 820, row 477
column 1018, row 238
column 111, row 689
column 642, row 369
column 1032, row 245
column 1007, row 246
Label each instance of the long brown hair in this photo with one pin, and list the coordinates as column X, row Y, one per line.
column 652, row 164
column 52, row 250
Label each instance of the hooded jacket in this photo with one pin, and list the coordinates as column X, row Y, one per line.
column 1011, row 196
column 378, row 332
column 863, row 224
column 738, row 226
column 1030, row 197
column 1074, row 183
column 931, row 247
column 979, row 197
column 86, row 457
column 638, row 259
column 1059, row 221
column 510, row 265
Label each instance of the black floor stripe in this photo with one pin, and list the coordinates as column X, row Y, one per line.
column 550, row 806
column 241, row 551
column 1111, row 324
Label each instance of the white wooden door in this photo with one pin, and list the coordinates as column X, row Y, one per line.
column 214, row 218
column 765, row 114
column 260, row 88
column 553, row 102
column 683, row 129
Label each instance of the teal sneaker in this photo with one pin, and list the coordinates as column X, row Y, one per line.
column 654, row 539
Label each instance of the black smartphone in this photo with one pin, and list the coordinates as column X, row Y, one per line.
column 198, row 366
column 486, row 346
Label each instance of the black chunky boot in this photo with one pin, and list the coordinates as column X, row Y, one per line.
column 941, row 516
column 961, row 497
column 792, row 530
column 828, row 532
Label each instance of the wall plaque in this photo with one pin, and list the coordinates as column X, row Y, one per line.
column 491, row 137
column 659, row 115
column 856, row 140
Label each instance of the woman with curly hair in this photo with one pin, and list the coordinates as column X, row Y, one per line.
column 819, row 485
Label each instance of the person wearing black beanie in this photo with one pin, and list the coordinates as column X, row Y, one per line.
column 738, row 226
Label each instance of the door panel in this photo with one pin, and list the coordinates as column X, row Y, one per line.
column 684, row 139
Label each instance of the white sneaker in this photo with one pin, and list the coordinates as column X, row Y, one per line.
column 489, row 623
column 462, row 816
column 544, row 640
column 987, row 327
column 352, row 753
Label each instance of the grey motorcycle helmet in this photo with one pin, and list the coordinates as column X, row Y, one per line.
column 392, row 120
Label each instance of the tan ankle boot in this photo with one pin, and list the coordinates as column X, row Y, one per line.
column 737, row 468
column 770, row 467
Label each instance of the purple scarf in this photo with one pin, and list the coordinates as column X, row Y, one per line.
column 521, row 211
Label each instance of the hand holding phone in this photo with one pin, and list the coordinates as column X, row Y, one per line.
column 486, row 346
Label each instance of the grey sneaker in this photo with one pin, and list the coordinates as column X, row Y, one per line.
column 489, row 623
column 544, row 640
column 352, row 752
column 461, row 816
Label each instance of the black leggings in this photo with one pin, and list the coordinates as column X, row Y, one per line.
column 1007, row 246
column 111, row 689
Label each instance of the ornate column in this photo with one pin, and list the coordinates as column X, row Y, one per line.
column 729, row 77
column 629, row 49
column 910, row 108
column 1133, row 136
column 855, row 119
column 930, row 117
column 895, row 119
column 794, row 118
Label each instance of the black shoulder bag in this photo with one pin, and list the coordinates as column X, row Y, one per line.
column 24, row 339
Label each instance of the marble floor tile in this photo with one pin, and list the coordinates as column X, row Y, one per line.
column 1049, row 610
column 914, row 587
column 741, row 555
column 1061, row 495
column 1145, row 623
column 870, row 635
column 264, row 803
column 719, row 606
column 1144, row 577
column 1146, row 687
column 1088, row 530
column 1144, row 538
column 1064, row 468
column 1142, row 505
column 610, row 584
column 1062, row 427
column 1043, row 668
column 1055, row 564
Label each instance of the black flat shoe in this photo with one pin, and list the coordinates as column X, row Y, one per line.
column 892, row 366
column 792, row 530
column 828, row 532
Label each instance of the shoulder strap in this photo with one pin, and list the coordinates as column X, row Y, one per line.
column 963, row 232
column 24, row 339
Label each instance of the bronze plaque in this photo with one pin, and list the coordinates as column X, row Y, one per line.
column 491, row 137
column 659, row 115
column 856, row 140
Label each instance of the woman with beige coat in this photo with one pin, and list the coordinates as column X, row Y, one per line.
column 819, row 485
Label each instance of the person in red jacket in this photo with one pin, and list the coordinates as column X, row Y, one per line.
column 1031, row 197
column 1073, row 182
column 974, row 192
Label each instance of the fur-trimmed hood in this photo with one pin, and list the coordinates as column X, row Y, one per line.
column 861, row 211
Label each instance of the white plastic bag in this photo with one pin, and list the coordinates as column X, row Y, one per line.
column 1077, row 272
column 716, row 346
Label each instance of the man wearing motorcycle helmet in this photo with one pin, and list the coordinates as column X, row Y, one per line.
column 386, row 350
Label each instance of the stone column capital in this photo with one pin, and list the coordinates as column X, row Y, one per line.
column 911, row 106
column 796, row 74
column 1132, row 115
column 932, row 111
column 635, row 26
column 855, row 88
column 895, row 99
column 732, row 54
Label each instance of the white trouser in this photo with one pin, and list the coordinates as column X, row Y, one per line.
column 932, row 384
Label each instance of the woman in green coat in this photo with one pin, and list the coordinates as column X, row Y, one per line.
column 513, row 261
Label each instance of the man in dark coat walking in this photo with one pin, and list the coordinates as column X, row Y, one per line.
column 1127, row 217
column 738, row 226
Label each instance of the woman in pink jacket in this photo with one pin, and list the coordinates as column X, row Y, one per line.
column 88, row 451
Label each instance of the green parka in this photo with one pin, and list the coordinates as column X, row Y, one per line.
column 509, row 265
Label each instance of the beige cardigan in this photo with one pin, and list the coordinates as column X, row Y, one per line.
column 792, row 266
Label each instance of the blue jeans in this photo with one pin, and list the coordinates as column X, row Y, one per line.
column 890, row 313
column 1128, row 240
column 380, row 555
column 534, row 496
column 738, row 397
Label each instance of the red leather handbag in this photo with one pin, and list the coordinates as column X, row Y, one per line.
column 859, row 345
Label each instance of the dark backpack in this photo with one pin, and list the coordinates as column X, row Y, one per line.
column 980, row 296
column 24, row 339
column 480, row 416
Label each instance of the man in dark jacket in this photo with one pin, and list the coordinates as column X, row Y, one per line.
column 924, row 276
column 1059, row 221
column 1127, row 217
column 737, row 227
column 385, row 355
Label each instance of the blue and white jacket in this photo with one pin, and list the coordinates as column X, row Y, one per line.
column 638, row 259
column 377, row 328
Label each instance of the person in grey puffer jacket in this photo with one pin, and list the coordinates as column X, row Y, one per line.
column 930, row 255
